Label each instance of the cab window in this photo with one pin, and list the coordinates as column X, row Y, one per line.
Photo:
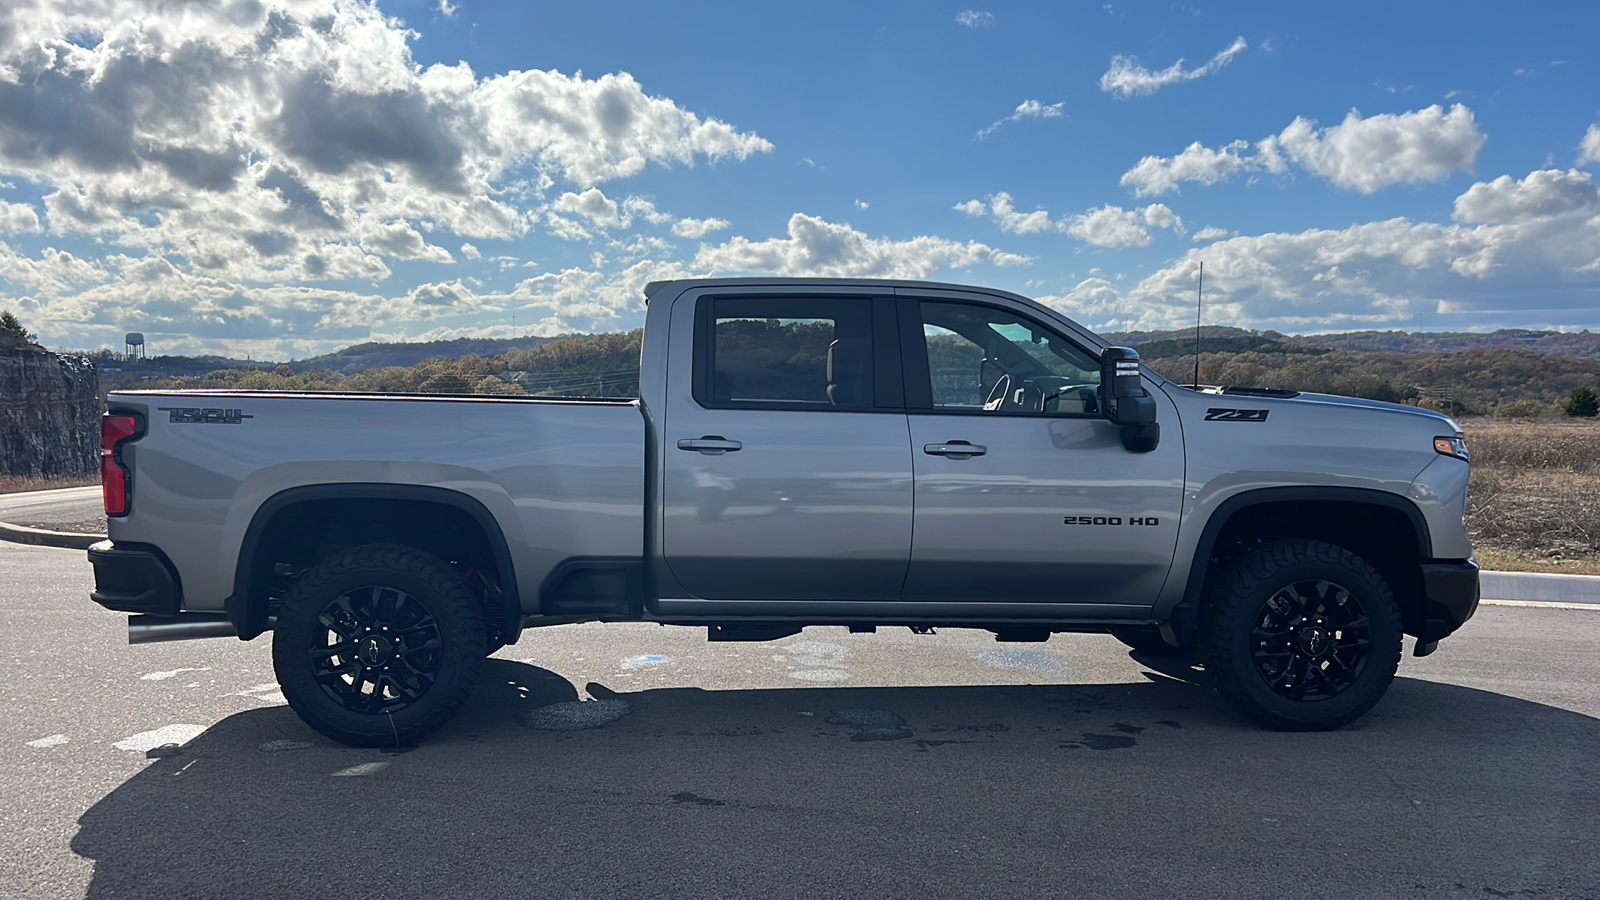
column 988, row 360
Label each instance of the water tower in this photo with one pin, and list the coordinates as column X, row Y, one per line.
column 134, row 342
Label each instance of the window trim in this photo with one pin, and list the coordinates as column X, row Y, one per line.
column 919, row 377
column 886, row 367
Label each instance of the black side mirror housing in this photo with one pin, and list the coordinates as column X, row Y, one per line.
column 1125, row 400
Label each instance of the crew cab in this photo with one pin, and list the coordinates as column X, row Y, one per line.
column 802, row 452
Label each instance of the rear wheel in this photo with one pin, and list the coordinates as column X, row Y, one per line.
column 1301, row 635
column 379, row 645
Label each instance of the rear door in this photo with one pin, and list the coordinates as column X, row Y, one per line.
column 786, row 460
column 1024, row 493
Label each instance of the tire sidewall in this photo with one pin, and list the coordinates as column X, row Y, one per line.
column 297, row 630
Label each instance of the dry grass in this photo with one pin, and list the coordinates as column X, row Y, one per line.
column 13, row 484
column 1534, row 503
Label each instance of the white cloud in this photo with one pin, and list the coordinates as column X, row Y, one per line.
column 1156, row 175
column 639, row 207
column 1027, row 109
column 18, row 218
column 1209, row 233
column 1113, row 226
column 817, row 247
column 1367, row 154
column 268, row 143
column 1544, row 193
column 592, row 204
column 1127, row 78
column 973, row 18
column 694, row 229
column 1360, row 154
column 862, row 204
column 1523, row 251
column 471, row 252
column 1589, row 150
column 972, row 207
column 448, row 9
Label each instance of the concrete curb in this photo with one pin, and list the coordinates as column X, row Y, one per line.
column 21, row 534
column 1584, row 589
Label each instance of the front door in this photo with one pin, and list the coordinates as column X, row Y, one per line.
column 1024, row 493
column 787, row 468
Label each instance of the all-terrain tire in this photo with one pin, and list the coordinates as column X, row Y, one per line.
column 1301, row 635
column 379, row 645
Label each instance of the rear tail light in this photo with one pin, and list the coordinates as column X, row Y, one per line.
column 115, row 481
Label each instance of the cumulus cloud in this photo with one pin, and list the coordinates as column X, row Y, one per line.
column 1521, row 251
column 1359, row 154
column 1126, row 78
column 255, row 149
column 18, row 218
column 1209, row 233
column 1027, row 109
column 694, row 229
column 1367, row 154
column 973, row 18
column 1156, row 175
column 1108, row 226
column 1113, row 226
column 179, row 128
column 820, row 248
column 1589, row 149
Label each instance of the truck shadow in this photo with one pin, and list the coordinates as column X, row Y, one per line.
column 994, row 791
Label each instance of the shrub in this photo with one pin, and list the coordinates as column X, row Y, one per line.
column 1519, row 409
column 1582, row 403
column 11, row 326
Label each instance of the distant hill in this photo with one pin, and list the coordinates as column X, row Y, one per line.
column 1220, row 338
column 374, row 355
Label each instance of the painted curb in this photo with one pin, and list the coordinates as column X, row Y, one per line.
column 1584, row 589
column 21, row 534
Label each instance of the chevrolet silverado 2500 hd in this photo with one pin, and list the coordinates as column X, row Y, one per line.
column 802, row 452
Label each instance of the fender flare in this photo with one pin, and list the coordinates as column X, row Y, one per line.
column 1187, row 610
column 249, row 617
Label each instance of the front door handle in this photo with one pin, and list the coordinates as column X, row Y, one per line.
column 710, row 445
column 955, row 449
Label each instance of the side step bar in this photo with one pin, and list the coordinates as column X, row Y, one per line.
column 151, row 629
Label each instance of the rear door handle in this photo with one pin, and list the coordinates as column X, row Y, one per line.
column 710, row 445
column 955, row 449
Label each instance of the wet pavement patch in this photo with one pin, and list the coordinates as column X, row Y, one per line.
column 686, row 798
column 575, row 715
column 871, row 724
column 1100, row 742
column 1125, row 728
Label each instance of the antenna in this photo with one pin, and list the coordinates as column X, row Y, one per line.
column 1199, row 286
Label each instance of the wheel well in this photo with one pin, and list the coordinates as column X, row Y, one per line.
column 291, row 538
column 1382, row 535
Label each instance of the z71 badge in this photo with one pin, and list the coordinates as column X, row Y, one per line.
column 1216, row 414
column 205, row 416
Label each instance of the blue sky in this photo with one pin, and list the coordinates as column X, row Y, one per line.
column 284, row 177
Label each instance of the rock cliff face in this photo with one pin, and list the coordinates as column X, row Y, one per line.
column 49, row 412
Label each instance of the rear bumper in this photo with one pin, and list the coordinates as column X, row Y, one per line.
column 1450, row 596
column 135, row 578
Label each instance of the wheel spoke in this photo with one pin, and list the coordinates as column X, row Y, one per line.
column 1311, row 640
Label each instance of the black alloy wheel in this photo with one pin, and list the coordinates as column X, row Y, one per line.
column 1311, row 641
column 1301, row 635
column 379, row 645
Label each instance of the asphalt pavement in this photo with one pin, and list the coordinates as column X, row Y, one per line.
column 825, row 765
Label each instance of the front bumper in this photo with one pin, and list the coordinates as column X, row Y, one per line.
column 1450, row 597
column 135, row 578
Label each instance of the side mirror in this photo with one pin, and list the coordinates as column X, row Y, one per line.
column 1125, row 400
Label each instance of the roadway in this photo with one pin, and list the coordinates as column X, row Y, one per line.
column 824, row 765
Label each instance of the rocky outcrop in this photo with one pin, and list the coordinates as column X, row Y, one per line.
column 49, row 412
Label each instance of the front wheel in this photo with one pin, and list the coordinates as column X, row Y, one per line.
column 378, row 645
column 1301, row 635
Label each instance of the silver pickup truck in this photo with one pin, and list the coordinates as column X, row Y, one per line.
column 802, row 452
